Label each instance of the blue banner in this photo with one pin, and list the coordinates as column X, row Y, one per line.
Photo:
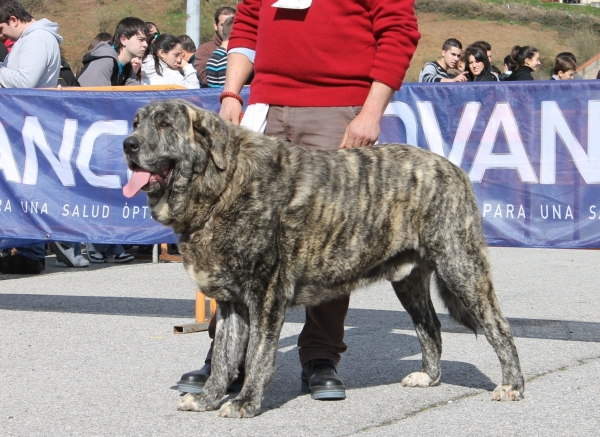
column 531, row 149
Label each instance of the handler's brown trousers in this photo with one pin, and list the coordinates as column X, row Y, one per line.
column 318, row 129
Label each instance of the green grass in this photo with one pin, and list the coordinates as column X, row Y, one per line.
column 176, row 15
column 573, row 9
column 561, row 17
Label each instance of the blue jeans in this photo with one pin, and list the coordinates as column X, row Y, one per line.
column 34, row 251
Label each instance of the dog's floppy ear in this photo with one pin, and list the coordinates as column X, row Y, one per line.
column 211, row 130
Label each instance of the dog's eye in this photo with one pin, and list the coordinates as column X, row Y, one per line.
column 165, row 123
column 135, row 124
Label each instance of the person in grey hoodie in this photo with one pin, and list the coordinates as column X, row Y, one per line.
column 110, row 64
column 34, row 61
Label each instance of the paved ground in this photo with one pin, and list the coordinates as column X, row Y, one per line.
column 91, row 352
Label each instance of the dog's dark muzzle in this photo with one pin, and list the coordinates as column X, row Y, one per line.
column 131, row 145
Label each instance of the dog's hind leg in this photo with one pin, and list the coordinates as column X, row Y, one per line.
column 465, row 284
column 413, row 292
column 266, row 321
column 231, row 340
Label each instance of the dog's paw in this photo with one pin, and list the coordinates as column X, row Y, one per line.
column 417, row 379
column 238, row 409
column 197, row 402
column 506, row 393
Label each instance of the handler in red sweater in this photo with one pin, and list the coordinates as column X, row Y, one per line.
column 324, row 75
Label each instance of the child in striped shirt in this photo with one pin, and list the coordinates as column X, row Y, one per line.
column 217, row 63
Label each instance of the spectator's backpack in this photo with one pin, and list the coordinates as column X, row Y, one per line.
column 3, row 52
column 66, row 76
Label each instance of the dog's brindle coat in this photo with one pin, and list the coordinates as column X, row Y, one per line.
column 265, row 225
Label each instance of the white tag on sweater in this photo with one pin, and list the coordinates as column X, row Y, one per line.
column 292, row 4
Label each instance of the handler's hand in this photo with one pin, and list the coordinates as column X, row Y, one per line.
column 362, row 131
column 231, row 110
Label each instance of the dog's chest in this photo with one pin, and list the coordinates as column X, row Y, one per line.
column 198, row 265
column 202, row 263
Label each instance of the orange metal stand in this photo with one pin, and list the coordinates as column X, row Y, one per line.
column 201, row 319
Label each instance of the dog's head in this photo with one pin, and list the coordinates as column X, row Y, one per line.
column 173, row 144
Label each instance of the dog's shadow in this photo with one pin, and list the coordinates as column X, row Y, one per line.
column 376, row 356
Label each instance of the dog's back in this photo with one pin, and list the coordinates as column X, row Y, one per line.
column 344, row 215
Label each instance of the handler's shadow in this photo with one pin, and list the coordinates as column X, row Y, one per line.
column 376, row 356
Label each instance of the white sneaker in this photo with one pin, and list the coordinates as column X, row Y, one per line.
column 89, row 247
column 64, row 254
column 96, row 257
column 78, row 261
column 123, row 258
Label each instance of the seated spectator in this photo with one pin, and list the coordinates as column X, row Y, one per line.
column 486, row 46
column 189, row 48
column 3, row 52
column 110, row 64
column 66, row 78
column 207, row 49
column 564, row 68
column 216, row 67
column 437, row 71
column 523, row 61
column 507, row 70
column 7, row 43
column 478, row 65
column 167, row 66
column 460, row 66
column 33, row 63
column 152, row 32
column 576, row 76
column 101, row 37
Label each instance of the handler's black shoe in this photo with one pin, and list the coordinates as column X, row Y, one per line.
column 193, row 382
column 320, row 379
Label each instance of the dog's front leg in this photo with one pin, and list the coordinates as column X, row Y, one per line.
column 231, row 340
column 265, row 328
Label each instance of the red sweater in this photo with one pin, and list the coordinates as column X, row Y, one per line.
column 328, row 54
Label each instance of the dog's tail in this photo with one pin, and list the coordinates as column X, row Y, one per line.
column 455, row 307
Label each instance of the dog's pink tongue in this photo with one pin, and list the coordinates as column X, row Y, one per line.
column 139, row 178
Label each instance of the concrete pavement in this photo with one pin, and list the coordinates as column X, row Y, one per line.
column 91, row 352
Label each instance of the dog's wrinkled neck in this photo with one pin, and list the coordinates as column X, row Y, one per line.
column 205, row 194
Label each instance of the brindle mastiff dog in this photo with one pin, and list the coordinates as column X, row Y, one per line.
column 265, row 225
